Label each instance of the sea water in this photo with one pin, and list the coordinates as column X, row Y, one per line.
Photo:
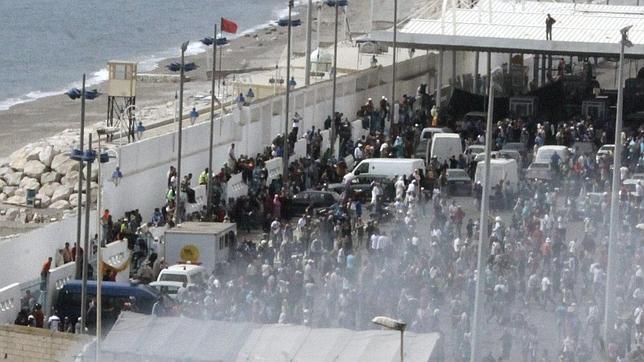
column 46, row 45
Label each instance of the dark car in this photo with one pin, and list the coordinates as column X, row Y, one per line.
column 361, row 187
column 458, row 182
column 315, row 199
column 539, row 171
column 114, row 296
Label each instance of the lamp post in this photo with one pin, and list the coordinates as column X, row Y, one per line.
column 103, row 158
column 393, row 65
column 288, row 96
column 212, row 124
column 335, row 75
column 177, row 212
column 79, row 215
column 395, row 325
column 483, row 226
column 309, row 26
column 609, row 305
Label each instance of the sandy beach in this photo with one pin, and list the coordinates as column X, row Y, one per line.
column 261, row 49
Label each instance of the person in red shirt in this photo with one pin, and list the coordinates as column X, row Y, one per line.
column 44, row 272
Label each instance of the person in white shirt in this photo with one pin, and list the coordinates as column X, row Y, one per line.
column 54, row 322
column 358, row 154
column 296, row 123
column 400, row 188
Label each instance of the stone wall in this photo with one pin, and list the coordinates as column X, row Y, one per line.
column 18, row 343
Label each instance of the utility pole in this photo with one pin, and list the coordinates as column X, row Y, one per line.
column 393, row 66
column 335, row 75
column 177, row 209
column 288, row 96
column 212, row 126
column 611, row 278
column 79, row 254
column 309, row 29
column 483, row 226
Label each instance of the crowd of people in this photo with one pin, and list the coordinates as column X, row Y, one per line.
column 415, row 258
column 546, row 266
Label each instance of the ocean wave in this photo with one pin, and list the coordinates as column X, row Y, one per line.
column 146, row 63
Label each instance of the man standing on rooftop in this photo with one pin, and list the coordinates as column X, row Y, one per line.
column 549, row 22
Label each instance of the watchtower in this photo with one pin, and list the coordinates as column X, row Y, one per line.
column 121, row 92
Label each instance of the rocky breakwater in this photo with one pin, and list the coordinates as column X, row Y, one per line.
column 45, row 167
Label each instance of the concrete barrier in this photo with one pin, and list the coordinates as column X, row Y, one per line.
column 116, row 254
column 9, row 303
column 25, row 254
column 300, row 148
column 274, row 168
column 56, row 279
column 236, row 187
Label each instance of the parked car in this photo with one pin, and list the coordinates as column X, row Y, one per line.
column 605, row 150
column 315, row 199
column 458, row 182
column 168, row 288
column 115, row 295
column 361, row 187
column 539, row 171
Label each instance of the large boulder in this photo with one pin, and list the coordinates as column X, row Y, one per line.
column 61, row 193
column 3, row 197
column 47, row 155
column 60, row 205
column 94, row 172
column 13, row 179
column 63, row 164
column 93, row 186
column 49, row 177
column 18, row 159
column 49, row 189
column 5, row 170
column 45, row 201
column 16, row 200
column 2, row 184
column 29, row 183
column 70, row 179
column 9, row 190
column 11, row 214
column 34, row 169
column 73, row 199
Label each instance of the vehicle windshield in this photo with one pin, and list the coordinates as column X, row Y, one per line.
column 540, row 165
column 456, row 173
column 168, row 277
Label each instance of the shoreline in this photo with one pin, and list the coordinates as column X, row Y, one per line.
column 259, row 47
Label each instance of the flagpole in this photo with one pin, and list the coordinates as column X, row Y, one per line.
column 212, row 127
column 220, row 51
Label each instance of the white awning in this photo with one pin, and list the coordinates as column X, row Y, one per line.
column 581, row 29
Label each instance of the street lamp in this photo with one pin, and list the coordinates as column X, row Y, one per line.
column 336, row 4
column 395, row 325
column 288, row 95
column 609, row 305
column 485, row 202
column 212, row 124
column 393, row 66
column 181, row 68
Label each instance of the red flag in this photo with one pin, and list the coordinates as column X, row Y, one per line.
column 228, row 26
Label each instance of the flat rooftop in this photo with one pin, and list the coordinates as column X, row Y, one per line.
column 202, row 228
column 519, row 27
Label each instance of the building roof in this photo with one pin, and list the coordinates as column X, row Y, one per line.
column 202, row 228
column 580, row 29
column 137, row 337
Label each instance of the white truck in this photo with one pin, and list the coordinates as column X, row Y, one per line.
column 208, row 244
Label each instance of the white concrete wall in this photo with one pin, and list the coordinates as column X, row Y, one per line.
column 57, row 278
column 9, row 303
column 145, row 163
column 24, row 255
column 115, row 254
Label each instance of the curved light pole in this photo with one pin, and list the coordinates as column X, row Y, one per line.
column 335, row 76
column 395, row 325
column 609, row 305
column 483, row 225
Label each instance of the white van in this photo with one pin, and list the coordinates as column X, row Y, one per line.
column 428, row 132
column 500, row 169
column 544, row 154
column 386, row 167
column 189, row 274
column 446, row 145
